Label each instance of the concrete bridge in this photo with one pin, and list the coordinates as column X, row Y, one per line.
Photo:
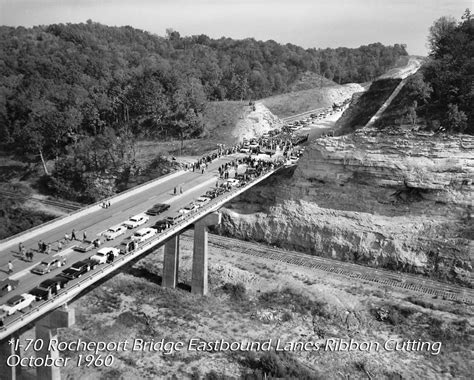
column 47, row 316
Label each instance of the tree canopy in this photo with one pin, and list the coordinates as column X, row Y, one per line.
column 64, row 85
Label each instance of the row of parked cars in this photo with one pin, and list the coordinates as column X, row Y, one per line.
column 52, row 286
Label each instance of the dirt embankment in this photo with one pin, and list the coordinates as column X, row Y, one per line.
column 399, row 201
column 294, row 103
column 255, row 300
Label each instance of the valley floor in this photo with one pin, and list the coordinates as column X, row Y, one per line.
column 257, row 300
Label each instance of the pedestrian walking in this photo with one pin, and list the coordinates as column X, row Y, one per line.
column 73, row 234
column 31, row 255
column 66, row 236
column 40, row 246
column 48, row 249
column 10, row 267
column 23, row 253
column 60, row 246
column 175, row 191
column 20, row 247
column 84, row 236
column 181, row 189
column 63, row 261
column 108, row 204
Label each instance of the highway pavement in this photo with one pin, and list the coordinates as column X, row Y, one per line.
column 194, row 184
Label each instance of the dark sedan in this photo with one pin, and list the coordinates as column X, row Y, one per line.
column 78, row 269
column 158, row 209
column 49, row 287
column 161, row 225
column 7, row 285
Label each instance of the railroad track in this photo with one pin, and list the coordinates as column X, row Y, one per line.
column 60, row 204
column 355, row 271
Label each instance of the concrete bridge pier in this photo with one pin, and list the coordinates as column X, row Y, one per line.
column 171, row 262
column 47, row 330
column 200, row 253
column 6, row 350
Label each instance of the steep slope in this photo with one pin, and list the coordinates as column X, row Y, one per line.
column 401, row 200
column 300, row 101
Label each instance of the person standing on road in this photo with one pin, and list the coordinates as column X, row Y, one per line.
column 175, row 191
column 60, row 246
column 10, row 267
column 181, row 189
column 48, row 249
column 40, row 246
column 73, row 234
column 20, row 247
column 23, row 253
column 84, row 236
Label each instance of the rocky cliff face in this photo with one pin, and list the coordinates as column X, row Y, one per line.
column 400, row 200
column 256, row 122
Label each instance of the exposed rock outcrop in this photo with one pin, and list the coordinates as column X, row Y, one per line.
column 398, row 199
column 256, row 122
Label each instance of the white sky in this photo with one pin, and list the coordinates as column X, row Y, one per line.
column 308, row 23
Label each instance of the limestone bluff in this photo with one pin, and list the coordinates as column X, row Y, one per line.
column 399, row 199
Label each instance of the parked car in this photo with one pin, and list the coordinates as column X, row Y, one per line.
column 211, row 194
column 49, row 287
column 187, row 209
column 85, row 246
column 161, row 225
column 173, row 219
column 233, row 182
column 105, row 254
column 202, row 201
column 47, row 265
column 115, row 231
column 77, row 269
column 144, row 234
column 158, row 209
column 7, row 286
column 17, row 303
column 127, row 245
column 136, row 221
column 3, row 315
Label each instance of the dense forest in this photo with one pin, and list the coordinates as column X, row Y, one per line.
column 441, row 94
column 81, row 93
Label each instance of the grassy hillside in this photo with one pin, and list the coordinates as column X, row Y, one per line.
column 309, row 80
column 293, row 103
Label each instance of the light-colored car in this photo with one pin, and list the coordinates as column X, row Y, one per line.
column 233, row 181
column 144, row 234
column 115, row 231
column 47, row 266
column 187, row 209
column 136, row 221
column 17, row 303
column 103, row 254
column 201, row 201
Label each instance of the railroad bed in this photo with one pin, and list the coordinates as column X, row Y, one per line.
column 355, row 271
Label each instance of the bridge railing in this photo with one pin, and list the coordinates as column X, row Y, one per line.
column 14, row 239
column 19, row 319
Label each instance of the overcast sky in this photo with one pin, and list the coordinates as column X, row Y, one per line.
column 308, row 23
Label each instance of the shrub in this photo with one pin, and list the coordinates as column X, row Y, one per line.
column 237, row 292
column 279, row 365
